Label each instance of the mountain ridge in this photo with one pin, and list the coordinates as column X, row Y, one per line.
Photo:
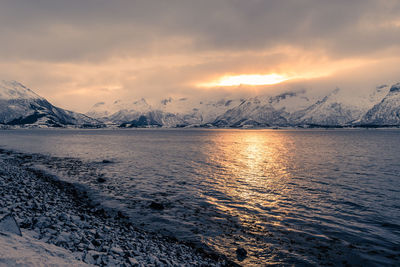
column 20, row 106
column 386, row 112
column 288, row 109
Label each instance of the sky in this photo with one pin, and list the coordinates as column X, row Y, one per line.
column 76, row 53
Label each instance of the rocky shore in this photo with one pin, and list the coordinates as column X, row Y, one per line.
column 58, row 213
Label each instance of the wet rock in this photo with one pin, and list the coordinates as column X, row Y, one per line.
column 156, row 206
column 105, row 248
column 91, row 257
column 51, row 231
column 101, row 180
column 96, row 242
column 117, row 250
column 111, row 261
column 26, row 223
column 62, row 240
column 91, row 247
column 63, row 217
column 59, row 215
column 76, row 220
column 64, row 237
column 106, row 161
column 241, row 254
column 92, row 231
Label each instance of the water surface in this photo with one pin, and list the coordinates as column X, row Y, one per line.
column 314, row 197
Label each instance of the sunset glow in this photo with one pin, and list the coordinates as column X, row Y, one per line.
column 199, row 133
column 251, row 79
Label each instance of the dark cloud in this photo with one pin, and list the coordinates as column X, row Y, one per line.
column 169, row 45
column 67, row 30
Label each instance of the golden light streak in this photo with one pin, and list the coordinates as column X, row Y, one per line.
column 248, row 79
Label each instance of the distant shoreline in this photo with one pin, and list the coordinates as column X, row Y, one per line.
column 366, row 127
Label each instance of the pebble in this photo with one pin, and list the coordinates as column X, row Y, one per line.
column 64, row 237
column 241, row 254
column 57, row 216
column 117, row 250
column 133, row 261
column 101, row 180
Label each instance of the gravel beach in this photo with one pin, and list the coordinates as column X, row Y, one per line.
column 56, row 212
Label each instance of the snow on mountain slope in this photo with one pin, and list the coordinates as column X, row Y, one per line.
column 297, row 108
column 387, row 111
column 168, row 112
column 252, row 112
column 134, row 114
column 201, row 111
column 172, row 112
column 291, row 108
column 203, row 114
column 291, row 101
column 99, row 110
column 337, row 109
column 14, row 90
column 130, row 111
column 332, row 110
column 377, row 95
column 103, row 110
column 21, row 106
column 154, row 118
column 265, row 110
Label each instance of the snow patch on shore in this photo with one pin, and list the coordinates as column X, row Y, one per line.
column 27, row 251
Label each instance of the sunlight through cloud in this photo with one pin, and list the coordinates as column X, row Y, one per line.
column 252, row 79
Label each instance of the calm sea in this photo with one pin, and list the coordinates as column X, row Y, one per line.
column 302, row 197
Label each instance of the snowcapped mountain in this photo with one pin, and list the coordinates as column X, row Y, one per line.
column 386, row 112
column 168, row 112
column 252, row 112
column 329, row 111
column 264, row 111
column 21, row 106
column 292, row 108
column 103, row 110
column 291, row 101
column 133, row 114
column 12, row 90
column 198, row 112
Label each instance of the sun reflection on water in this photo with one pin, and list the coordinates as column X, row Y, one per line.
column 252, row 163
column 252, row 170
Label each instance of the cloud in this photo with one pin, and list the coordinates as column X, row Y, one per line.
column 72, row 50
column 67, row 30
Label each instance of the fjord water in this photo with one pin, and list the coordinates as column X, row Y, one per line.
column 287, row 196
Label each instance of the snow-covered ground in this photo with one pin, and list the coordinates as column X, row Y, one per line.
column 27, row 251
column 61, row 226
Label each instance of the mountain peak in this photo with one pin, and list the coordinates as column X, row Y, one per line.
column 14, row 90
column 21, row 106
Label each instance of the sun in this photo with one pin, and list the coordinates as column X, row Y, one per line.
column 248, row 79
